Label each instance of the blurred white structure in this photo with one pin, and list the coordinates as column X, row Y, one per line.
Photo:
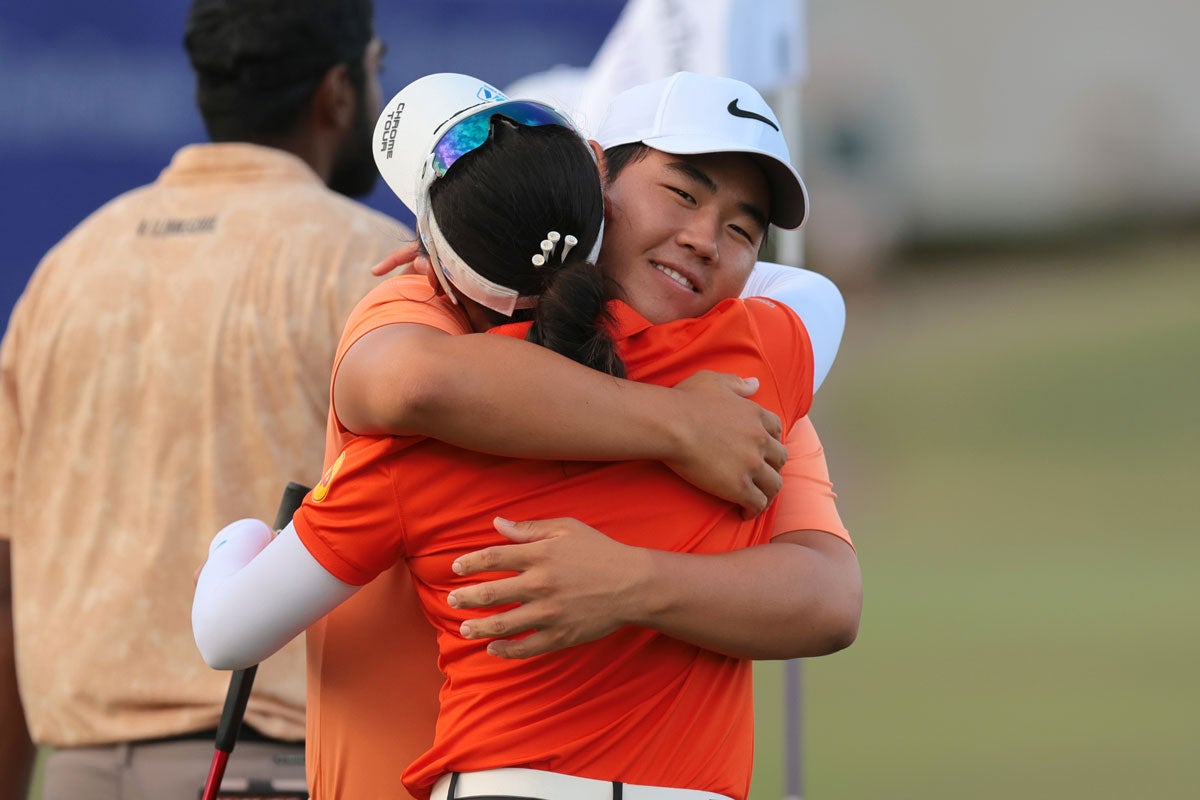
column 941, row 119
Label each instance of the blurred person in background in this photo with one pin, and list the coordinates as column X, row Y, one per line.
column 166, row 370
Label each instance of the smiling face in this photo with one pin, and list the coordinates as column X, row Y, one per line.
column 683, row 232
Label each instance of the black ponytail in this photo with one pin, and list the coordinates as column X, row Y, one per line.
column 572, row 318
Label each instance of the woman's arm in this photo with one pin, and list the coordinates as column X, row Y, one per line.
column 254, row 595
column 512, row 398
column 500, row 395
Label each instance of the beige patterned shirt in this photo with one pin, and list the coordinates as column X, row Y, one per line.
column 167, row 372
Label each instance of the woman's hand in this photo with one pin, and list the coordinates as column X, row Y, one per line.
column 407, row 259
column 731, row 446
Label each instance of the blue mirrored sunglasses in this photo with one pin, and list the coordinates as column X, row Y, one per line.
column 471, row 132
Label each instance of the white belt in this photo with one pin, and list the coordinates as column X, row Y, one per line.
column 536, row 783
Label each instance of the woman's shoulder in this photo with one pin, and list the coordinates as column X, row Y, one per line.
column 411, row 297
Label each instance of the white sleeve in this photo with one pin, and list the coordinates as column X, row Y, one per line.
column 255, row 595
column 814, row 298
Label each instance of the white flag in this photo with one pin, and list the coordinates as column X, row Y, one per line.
column 761, row 42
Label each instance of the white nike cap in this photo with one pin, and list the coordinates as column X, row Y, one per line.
column 691, row 114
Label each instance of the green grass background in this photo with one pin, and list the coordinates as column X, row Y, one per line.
column 1015, row 447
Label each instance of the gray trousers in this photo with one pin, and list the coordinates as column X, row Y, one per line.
column 174, row 770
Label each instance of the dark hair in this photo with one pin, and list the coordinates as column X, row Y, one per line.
column 620, row 156
column 496, row 205
column 259, row 62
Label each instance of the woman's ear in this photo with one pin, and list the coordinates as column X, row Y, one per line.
column 421, row 265
column 602, row 165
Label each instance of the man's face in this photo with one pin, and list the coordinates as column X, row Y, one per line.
column 354, row 171
column 683, row 232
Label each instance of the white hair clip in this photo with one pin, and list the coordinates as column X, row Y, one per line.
column 568, row 243
column 550, row 245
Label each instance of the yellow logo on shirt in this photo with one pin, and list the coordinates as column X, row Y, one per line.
column 322, row 488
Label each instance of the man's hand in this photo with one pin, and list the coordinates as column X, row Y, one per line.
column 797, row 596
column 732, row 447
column 574, row 585
column 407, row 259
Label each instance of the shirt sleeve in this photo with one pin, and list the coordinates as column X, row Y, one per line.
column 409, row 298
column 405, row 298
column 350, row 522
column 814, row 298
column 807, row 501
column 784, row 342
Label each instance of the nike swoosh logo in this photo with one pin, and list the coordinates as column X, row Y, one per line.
column 732, row 108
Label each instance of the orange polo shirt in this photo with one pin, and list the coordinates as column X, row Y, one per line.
column 373, row 679
column 627, row 707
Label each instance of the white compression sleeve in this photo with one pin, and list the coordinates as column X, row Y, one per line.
column 814, row 298
column 255, row 595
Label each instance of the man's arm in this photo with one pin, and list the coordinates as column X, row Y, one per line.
column 16, row 748
column 508, row 397
column 798, row 595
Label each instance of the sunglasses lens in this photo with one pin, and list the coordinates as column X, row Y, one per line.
column 533, row 114
column 471, row 132
column 461, row 139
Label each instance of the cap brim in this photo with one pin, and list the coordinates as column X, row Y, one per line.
column 789, row 195
column 408, row 127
